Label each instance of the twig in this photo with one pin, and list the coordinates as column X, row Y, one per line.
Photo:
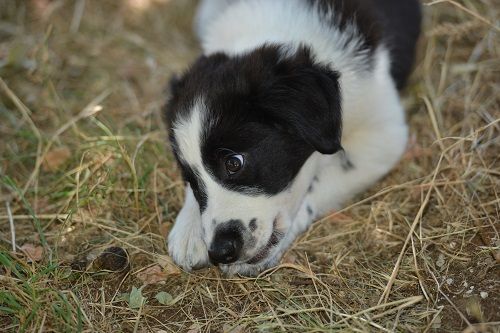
column 136, row 325
column 433, row 319
column 42, row 325
column 40, row 217
column 77, row 16
column 12, row 227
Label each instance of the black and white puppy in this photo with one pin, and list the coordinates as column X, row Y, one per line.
column 292, row 109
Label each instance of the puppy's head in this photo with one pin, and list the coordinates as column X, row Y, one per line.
column 242, row 129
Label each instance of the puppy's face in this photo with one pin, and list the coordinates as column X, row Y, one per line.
column 242, row 129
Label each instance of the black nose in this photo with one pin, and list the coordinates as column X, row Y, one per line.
column 226, row 244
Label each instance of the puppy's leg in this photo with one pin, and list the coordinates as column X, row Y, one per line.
column 185, row 241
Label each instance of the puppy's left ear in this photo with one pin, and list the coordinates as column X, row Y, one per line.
column 305, row 96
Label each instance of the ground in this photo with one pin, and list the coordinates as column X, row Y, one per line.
column 89, row 188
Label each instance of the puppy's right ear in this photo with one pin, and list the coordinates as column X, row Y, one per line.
column 305, row 96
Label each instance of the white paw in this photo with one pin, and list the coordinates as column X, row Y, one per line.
column 185, row 241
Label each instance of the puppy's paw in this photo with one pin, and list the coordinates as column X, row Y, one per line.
column 185, row 242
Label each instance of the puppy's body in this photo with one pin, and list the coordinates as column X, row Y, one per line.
column 306, row 93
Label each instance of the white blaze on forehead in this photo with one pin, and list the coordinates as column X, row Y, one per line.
column 187, row 132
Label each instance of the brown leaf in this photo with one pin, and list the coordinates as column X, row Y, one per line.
column 165, row 229
column 152, row 275
column 55, row 158
column 34, row 253
column 168, row 265
column 414, row 150
column 290, row 258
column 338, row 216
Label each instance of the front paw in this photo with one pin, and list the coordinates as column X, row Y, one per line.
column 186, row 245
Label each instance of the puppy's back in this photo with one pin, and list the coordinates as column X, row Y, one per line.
column 395, row 23
column 400, row 21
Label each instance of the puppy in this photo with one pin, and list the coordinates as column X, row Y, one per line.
column 292, row 109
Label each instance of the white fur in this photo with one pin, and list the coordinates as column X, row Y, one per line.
column 374, row 131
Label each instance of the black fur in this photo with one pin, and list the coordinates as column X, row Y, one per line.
column 400, row 22
column 395, row 23
column 274, row 110
column 353, row 12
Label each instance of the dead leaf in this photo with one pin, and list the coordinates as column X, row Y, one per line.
column 34, row 253
column 414, row 150
column 165, row 229
column 55, row 158
column 168, row 265
column 290, row 258
column 152, row 275
column 338, row 216
column 136, row 300
column 164, row 298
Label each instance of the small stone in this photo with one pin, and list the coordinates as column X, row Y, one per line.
column 483, row 294
column 449, row 281
column 440, row 260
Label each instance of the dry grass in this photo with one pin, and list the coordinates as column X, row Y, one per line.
column 84, row 166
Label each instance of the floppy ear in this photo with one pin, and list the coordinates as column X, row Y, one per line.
column 306, row 98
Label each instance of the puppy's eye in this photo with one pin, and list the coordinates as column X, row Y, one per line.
column 234, row 163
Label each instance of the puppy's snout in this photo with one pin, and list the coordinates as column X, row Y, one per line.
column 226, row 244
